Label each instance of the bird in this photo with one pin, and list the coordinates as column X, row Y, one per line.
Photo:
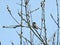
column 34, row 25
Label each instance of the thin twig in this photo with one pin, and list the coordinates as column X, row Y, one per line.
column 13, row 26
column 39, row 34
column 0, row 42
column 53, row 18
column 22, row 17
column 54, row 35
column 12, row 43
column 11, row 14
column 23, row 37
column 34, row 10
column 43, row 21
column 36, row 34
column 57, row 22
column 20, row 4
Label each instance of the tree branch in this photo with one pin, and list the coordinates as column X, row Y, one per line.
column 53, row 18
column 14, row 26
column 11, row 14
column 23, row 37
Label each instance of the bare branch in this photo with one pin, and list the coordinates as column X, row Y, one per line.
column 34, row 10
column 54, row 35
column 20, row 4
column 22, row 17
column 14, row 26
column 53, row 18
column 36, row 34
column 23, row 37
column 39, row 34
column 0, row 42
column 12, row 43
column 11, row 14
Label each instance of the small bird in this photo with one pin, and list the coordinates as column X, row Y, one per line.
column 34, row 25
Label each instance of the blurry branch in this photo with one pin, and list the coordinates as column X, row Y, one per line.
column 53, row 18
column 41, row 37
column 19, row 13
column 34, row 10
column 24, row 43
column 22, row 17
column 26, row 39
column 30, row 11
column 27, row 42
column 20, row 4
column 12, row 43
column 23, row 37
column 43, row 23
column 14, row 26
column 25, row 2
column 57, row 22
column 11, row 14
column 28, row 22
column 31, row 37
column 27, row 27
column 57, row 8
column 52, row 37
column 38, row 34
column 39, row 28
column 0, row 42
column 9, row 10
column 21, row 22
